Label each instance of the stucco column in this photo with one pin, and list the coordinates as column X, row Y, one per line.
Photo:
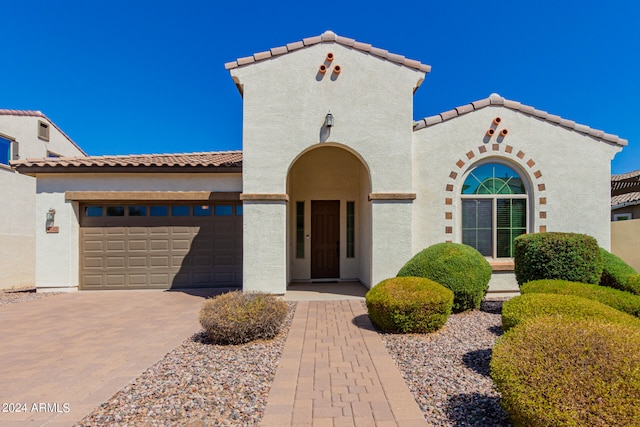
column 391, row 240
column 264, row 246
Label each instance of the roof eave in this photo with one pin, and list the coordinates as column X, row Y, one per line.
column 36, row 170
column 497, row 100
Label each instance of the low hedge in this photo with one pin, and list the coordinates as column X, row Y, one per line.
column 527, row 306
column 616, row 273
column 569, row 373
column 565, row 256
column 620, row 300
column 409, row 305
column 237, row 317
column 458, row 267
column 633, row 284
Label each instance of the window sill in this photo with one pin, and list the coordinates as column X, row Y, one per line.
column 502, row 264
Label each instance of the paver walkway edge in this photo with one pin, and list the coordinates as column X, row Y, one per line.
column 336, row 371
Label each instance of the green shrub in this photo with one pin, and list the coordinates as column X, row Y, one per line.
column 616, row 272
column 458, row 267
column 409, row 305
column 576, row 372
column 564, row 256
column 620, row 300
column 527, row 306
column 633, row 284
column 237, row 318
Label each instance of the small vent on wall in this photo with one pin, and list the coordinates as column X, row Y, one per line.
column 43, row 130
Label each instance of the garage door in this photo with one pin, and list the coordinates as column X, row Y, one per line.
column 164, row 246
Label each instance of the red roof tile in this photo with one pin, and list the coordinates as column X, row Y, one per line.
column 495, row 99
column 32, row 113
column 135, row 163
column 626, row 199
column 329, row 37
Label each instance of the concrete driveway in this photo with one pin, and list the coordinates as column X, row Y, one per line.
column 61, row 356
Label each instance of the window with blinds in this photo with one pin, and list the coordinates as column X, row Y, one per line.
column 494, row 209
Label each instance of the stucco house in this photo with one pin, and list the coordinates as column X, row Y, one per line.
column 335, row 182
column 625, row 196
column 23, row 134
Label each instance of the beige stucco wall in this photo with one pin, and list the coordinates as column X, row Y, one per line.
column 286, row 101
column 625, row 241
column 57, row 254
column 17, row 210
column 567, row 175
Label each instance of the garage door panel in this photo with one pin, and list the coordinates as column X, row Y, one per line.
column 93, row 262
column 115, row 246
column 159, row 261
column 137, row 231
column 137, row 262
column 158, row 231
column 158, row 245
column 160, row 252
column 94, row 246
column 115, row 280
column 137, row 245
column 160, row 279
column 115, row 262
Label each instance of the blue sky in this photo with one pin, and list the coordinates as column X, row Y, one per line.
column 128, row 77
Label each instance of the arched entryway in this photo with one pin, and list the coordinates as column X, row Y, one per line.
column 328, row 216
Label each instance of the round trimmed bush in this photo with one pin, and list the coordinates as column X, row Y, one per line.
column 237, row 317
column 620, row 300
column 409, row 305
column 565, row 256
column 569, row 373
column 616, row 273
column 458, row 267
column 528, row 306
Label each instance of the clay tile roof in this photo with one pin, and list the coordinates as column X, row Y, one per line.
column 221, row 161
column 625, row 199
column 40, row 114
column 495, row 99
column 329, row 37
column 625, row 181
column 625, row 176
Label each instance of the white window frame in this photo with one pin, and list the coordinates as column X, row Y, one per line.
column 622, row 216
column 494, row 211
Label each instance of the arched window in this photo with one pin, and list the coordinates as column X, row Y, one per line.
column 494, row 209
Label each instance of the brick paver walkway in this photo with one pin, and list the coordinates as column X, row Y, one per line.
column 335, row 371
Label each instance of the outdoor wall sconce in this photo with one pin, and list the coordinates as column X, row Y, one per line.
column 328, row 121
column 51, row 217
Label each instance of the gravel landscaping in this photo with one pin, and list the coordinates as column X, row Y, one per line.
column 448, row 371
column 198, row 384
column 12, row 296
column 202, row 384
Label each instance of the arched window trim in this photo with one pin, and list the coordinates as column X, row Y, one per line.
column 528, row 197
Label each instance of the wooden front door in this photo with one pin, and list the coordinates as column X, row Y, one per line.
column 325, row 239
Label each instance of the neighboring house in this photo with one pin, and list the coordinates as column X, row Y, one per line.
column 625, row 217
column 625, row 196
column 335, row 182
column 23, row 134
